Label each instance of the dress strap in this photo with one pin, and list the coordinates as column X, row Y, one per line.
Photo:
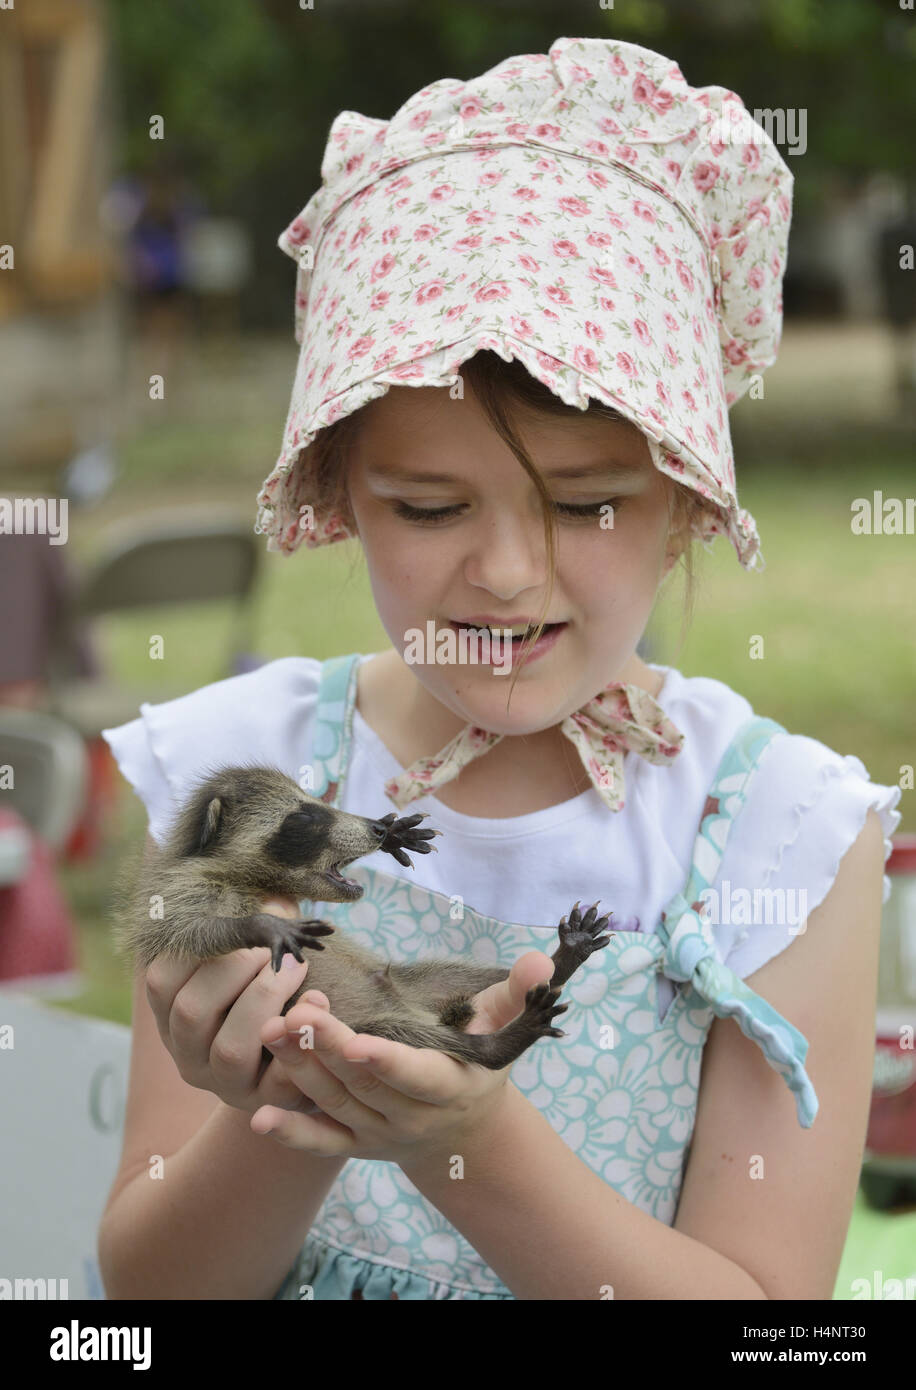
column 725, row 800
column 688, row 950
column 333, row 730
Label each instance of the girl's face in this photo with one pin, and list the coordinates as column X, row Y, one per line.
column 420, row 451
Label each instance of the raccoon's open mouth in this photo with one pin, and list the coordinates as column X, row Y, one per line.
column 349, row 885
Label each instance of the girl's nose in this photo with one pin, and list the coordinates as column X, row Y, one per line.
column 508, row 555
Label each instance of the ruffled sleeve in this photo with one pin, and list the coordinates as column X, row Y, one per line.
column 805, row 807
column 264, row 716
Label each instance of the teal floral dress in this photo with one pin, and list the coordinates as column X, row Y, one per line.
column 620, row 1088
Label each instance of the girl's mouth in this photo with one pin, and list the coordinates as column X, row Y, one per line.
column 548, row 638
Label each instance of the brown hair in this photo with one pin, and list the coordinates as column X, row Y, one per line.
column 496, row 383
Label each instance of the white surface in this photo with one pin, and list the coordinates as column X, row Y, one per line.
column 15, row 848
column 62, row 1091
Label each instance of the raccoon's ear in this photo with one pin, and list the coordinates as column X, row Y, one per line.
column 210, row 824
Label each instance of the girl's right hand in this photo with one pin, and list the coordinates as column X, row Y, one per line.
column 210, row 1015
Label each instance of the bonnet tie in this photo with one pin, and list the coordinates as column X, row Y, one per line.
column 621, row 718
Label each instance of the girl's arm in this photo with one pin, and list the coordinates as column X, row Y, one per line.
column 227, row 1220
column 230, row 1212
column 765, row 1205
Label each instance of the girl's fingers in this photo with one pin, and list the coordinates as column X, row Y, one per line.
column 281, row 907
column 533, row 968
column 317, row 1134
column 315, row 996
column 265, row 996
column 200, row 1005
column 313, row 1059
column 408, row 1073
column 165, row 976
column 214, row 1021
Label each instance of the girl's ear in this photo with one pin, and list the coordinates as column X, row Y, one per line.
column 675, row 546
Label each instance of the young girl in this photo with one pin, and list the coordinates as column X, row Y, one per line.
column 525, row 305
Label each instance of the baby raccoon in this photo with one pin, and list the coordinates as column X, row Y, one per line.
column 247, row 833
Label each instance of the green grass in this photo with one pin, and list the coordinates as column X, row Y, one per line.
column 835, row 611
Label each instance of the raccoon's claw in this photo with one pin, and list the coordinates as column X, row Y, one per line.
column 403, row 835
column 541, row 1009
column 581, row 932
column 296, row 936
column 315, row 926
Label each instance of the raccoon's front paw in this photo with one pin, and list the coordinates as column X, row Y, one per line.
column 292, row 936
column 401, row 835
column 541, row 1009
column 580, row 934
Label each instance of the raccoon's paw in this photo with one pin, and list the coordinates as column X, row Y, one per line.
column 580, row 933
column 292, row 936
column 402, row 835
column 540, row 1010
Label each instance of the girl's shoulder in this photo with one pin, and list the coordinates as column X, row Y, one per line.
column 263, row 716
column 802, row 807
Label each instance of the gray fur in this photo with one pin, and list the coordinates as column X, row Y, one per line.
column 232, row 845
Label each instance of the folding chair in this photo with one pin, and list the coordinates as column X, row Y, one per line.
column 172, row 558
column 50, row 772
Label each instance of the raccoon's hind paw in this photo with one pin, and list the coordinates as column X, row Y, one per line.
column 581, row 932
column 402, row 835
column 541, row 1008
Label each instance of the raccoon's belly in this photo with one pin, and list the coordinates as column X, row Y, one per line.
column 359, row 988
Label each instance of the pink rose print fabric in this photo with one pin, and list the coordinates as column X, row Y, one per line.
column 584, row 211
column 622, row 717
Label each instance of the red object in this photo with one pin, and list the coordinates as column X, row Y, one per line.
column 891, row 1132
column 902, row 858
column 892, row 1121
column 86, row 838
column 37, row 931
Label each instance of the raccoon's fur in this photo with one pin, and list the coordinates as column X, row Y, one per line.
column 247, row 833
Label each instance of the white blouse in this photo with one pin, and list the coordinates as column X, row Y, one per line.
column 805, row 806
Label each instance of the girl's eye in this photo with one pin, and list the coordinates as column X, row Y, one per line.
column 433, row 515
column 409, row 513
column 589, row 508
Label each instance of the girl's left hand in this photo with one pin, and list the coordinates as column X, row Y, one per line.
column 405, row 1103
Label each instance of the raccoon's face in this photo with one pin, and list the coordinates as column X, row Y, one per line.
column 269, row 835
column 313, row 842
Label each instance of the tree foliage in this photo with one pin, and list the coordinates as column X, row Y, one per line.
column 249, row 88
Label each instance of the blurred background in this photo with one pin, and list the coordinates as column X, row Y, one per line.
column 150, row 155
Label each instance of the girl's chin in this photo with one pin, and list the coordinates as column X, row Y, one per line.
column 479, row 698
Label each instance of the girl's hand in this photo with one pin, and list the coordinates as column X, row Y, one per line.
column 405, row 1103
column 209, row 1015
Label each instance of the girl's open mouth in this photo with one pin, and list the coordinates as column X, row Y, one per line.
column 547, row 639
